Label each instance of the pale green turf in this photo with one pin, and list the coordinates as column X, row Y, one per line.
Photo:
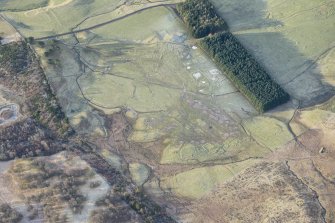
column 198, row 182
column 139, row 173
column 268, row 131
column 22, row 5
column 315, row 118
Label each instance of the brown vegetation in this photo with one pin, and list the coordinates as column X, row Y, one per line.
column 51, row 186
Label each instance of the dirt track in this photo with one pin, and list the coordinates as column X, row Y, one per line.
column 105, row 23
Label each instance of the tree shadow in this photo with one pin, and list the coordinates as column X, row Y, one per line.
column 299, row 75
column 239, row 17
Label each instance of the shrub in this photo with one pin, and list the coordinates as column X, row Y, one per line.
column 31, row 40
column 244, row 71
column 14, row 57
column 41, row 44
column 201, row 17
column 95, row 184
column 103, row 215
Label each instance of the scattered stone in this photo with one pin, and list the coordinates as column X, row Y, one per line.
column 197, row 75
column 322, row 150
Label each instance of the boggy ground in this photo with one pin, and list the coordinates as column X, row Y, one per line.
column 155, row 106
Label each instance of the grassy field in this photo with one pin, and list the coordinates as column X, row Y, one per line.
column 302, row 32
column 178, row 95
column 268, row 131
